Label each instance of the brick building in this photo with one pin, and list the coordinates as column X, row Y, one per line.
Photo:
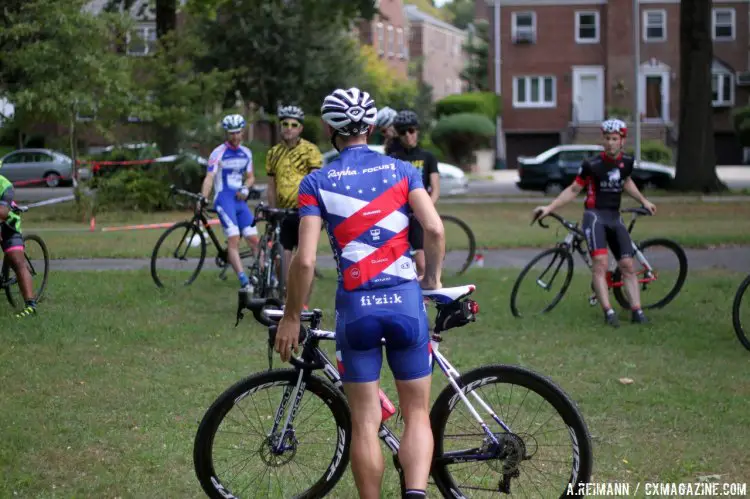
column 439, row 47
column 387, row 32
column 566, row 64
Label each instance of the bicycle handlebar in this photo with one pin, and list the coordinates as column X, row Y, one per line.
column 17, row 208
column 571, row 226
column 267, row 210
column 253, row 192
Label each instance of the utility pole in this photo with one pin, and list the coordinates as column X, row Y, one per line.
column 637, row 73
column 500, row 159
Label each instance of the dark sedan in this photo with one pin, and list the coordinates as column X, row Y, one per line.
column 555, row 169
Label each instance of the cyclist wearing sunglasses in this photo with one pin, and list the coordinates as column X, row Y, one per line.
column 406, row 124
column 384, row 124
column 227, row 165
column 287, row 163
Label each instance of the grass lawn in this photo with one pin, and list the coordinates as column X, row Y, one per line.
column 495, row 225
column 103, row 391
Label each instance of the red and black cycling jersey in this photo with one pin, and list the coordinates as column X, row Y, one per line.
column 604, row 178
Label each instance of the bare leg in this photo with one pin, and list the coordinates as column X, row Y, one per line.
column 18, row 262
column 630, row 279
column 419, row 262
column 366, row 456
column 599, row 280
column 415, row 453
column 233, row 253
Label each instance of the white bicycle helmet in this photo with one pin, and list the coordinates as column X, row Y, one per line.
column 294, row 112
column 233, row 123
column 349, row 112
column 385, row 117
column 615, row 125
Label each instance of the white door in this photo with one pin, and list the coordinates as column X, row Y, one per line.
column 589, row 94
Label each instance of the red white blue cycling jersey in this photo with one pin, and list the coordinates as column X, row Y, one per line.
column 229, row 165
column 364, row 198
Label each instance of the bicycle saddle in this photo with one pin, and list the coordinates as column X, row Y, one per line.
column 448, row 295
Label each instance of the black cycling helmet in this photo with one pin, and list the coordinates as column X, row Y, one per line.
column 405, row 119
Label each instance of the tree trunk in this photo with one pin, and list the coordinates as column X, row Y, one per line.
column 167, row 137
column 696, row 154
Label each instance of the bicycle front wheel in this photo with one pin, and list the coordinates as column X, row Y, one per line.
column 740, row 325
column 239, row 449
column 660, row 285
column 460, row 244
column 546, row 450
column 534, row 290
column 36, row 261
column 178, row 255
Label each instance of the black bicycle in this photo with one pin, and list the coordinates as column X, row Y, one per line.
column 291, row 428
column 739, row 324
column 36, row 257
column 186, row 250
column 556, row 264
column 267, row 272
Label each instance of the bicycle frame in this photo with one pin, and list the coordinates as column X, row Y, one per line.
column 576, row 241
column 312, row 355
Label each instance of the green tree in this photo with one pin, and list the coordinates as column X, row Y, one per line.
column 460, row 13
column 696, row 154
column 284, row 51
column 477, row 52
column 64, row 63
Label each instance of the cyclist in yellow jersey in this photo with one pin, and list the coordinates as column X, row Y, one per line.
column 287, row 163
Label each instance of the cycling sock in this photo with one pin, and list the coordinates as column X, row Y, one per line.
column 610, row 311
column 244, row 281
column 415, row 494
column 31, row 303
column 636, row 309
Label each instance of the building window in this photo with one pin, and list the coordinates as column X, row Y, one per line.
column 534, row 91
column 523, row 28
column 723, row 22
column 587, row 27
column 381, row 38
column 400, row 38
column 141, row 40
column 654, row 25
column 390, row 41
column 722, row 86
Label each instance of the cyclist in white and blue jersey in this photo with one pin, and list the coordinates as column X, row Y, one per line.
column 365, row 198
column 230, row 173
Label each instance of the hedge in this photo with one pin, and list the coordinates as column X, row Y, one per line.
column 459, row 135
column 486, row 103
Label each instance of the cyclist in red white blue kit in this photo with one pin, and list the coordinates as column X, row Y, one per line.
column 366, row 198
column 230, row 172
column 605, row 177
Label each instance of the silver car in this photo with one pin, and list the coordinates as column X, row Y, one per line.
column 26, row 165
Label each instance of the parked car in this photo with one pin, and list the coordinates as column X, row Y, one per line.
column 554, row 169
column 50, row 166
column 453, row 180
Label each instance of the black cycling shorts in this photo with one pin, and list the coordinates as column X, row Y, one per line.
column 289, row 236
column 605, row 227
column 416, row 234
column 10, row 239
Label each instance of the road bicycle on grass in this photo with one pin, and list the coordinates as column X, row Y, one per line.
column 293, row 426
column 36, row 258
column 740, row 324
column 184, row 245
column 458, row 233
column 556, row 265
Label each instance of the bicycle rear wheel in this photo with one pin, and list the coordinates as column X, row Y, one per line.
column 543, row 270
column 36, row 259
column 315, row 450
column 741, row 326
column 178, row 255
column 552, row 440
column 662, row 284
column 460, row 244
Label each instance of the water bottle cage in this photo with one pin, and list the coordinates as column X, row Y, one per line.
column 456, row 314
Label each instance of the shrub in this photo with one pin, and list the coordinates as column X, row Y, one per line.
column 485, row 103
column 654, row 151
column 428, row 145
column 313, row 130
column 135, row 189
column 459, row 135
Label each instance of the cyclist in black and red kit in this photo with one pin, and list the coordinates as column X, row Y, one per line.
column 406, row 148
column 605, row 177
